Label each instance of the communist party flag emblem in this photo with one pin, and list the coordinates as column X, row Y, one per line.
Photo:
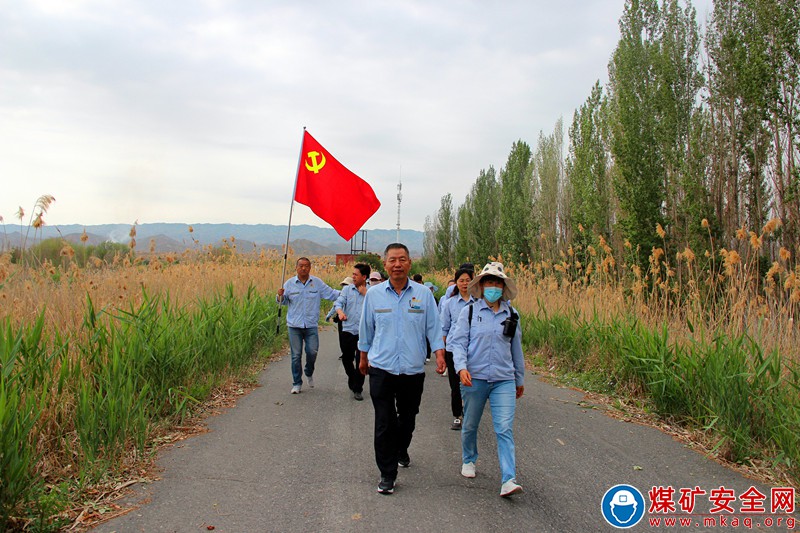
column 333, row 193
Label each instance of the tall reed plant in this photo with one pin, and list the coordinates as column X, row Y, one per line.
column 91, row 400
column 745, row 400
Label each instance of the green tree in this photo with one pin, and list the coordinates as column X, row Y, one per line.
column 465, row 239
column 742, row 83
column 106, row 250
column 429, row 240
column 633, row 86
column 516, row 207
column 375, row 261
column 478, row 220
column 444, row 246
column 679, row 119
column 587, row 168
column 548, row 171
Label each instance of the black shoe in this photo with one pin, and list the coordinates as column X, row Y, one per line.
column 404, row 460
column 386, row 486
column 358, row 396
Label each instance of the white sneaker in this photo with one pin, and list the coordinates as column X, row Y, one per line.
column 468, row 470
column 295, row 389
column 510, row 487
column 310, row 381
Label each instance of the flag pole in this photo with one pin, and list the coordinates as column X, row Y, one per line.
column 289, row 229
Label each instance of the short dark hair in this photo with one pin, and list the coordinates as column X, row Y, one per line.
column 302, row 259
column 492, row 278
column 396, row 246
column 417, row 278
column 466, row 266
column 364, row 268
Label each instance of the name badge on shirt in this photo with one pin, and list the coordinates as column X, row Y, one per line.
column 415, row 304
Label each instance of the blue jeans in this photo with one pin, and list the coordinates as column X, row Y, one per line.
column 502, row 396
column 297, row 336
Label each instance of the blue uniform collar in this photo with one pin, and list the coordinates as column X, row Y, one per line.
column 504, row 305
column 390, row 287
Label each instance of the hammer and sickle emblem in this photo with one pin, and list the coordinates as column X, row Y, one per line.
column 314, row 166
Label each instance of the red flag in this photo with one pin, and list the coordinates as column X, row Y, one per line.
column 335, row 194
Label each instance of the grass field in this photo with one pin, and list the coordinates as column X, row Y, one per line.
column 96, row 359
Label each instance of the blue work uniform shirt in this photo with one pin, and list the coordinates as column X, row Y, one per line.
column 447, row 292
column 482, row 348
column 450, row 309
column 351, row 302
column 303, row 300
column 394, row 327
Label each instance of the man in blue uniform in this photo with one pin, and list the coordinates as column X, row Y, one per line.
column 398, row 316
column 302, row 294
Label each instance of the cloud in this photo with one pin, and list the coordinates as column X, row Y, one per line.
column 193, row 111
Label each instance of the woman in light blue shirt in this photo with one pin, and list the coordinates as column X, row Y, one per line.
column 487, row 354
column 451, row 306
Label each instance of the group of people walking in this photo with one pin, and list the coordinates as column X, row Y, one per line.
column 389, row 328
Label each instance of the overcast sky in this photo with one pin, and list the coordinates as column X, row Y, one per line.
column 192, row 111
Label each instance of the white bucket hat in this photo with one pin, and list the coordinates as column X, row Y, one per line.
column 347, row 281
column 431, row 286
column 493, row 269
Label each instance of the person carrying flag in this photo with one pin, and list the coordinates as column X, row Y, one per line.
column 303, row 294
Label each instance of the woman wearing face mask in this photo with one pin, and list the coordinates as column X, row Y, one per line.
column 487, row 354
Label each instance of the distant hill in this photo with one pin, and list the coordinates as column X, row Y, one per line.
column 173, row 237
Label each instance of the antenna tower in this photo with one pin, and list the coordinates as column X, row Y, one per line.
column 399, row 200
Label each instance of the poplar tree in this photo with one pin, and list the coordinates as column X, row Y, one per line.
column 633, row 85
column 587, row 168
column 742, row 82
column 680, row 121
column 444, row 245
column 429, row 240
column 516, row 209
column 478, row 220
column 548, row 167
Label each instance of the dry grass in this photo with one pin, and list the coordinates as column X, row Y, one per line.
column 119, row 284
column 714, row 290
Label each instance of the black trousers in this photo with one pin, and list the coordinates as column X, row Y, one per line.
column 350, row 359
column 456, row 405
column 396, row 401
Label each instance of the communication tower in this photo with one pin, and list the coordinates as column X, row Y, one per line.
column 399, row 200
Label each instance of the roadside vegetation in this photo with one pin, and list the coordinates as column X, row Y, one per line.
column 99, row 358
column 707, row 342
column 655, row 234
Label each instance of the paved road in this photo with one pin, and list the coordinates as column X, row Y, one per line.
column 281, row 462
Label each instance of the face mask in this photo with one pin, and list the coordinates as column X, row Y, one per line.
column 492, row 294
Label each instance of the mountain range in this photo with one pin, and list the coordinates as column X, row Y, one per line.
column 175, row 237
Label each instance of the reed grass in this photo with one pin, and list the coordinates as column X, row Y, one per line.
column 707, row 338
column 94, row 360
column 96, row 353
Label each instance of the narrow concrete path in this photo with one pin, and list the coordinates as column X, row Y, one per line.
column 281, row 462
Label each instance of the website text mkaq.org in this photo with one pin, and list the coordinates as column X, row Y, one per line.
column 623, row 506
column 735, row 521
